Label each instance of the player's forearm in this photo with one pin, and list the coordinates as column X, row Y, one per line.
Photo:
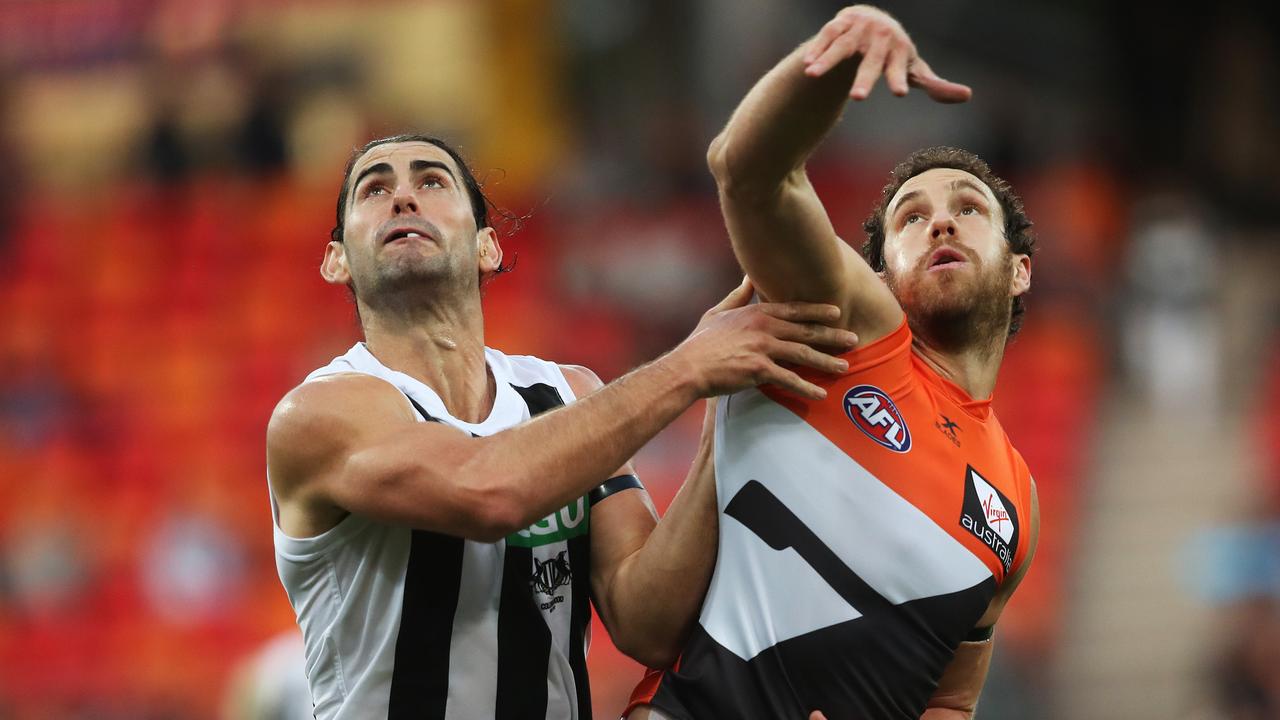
column 656, row 594
column 539, row 466
column 778, row 125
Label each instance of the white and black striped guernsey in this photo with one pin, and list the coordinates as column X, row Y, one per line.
column 402, row 623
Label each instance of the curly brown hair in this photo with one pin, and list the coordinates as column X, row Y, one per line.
column 1017, row 226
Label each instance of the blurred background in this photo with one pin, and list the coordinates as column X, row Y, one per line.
column 170, row 169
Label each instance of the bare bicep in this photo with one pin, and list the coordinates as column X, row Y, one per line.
column 786, row 244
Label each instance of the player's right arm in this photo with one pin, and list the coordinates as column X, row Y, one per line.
column 350, row 443
column 780, row 231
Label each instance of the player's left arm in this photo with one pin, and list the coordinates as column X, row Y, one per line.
column 957, row 695
column 648, row 577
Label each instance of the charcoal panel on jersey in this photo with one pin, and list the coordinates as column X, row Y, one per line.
column 580, row 557
column 540, row 397
column 433, row 577
column 524, row 643
column 884, row 668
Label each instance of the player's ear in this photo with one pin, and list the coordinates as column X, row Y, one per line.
column 1021, row 274
column 488, row 250
column 334, row 266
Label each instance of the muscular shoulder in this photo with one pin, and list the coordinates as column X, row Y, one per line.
column 582, row 379
column 320, row 420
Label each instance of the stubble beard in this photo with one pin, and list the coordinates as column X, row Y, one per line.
column 957, row 310
column 406, row 281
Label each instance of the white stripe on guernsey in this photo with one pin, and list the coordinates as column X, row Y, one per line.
column 473, row 651
column 891, row 544
column 559, row 674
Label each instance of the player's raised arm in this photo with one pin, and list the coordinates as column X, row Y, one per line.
column 780, row 231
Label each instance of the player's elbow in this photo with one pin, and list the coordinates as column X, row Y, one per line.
column 492, row 509
column 494, row 497
column 741, row 176
column 731, row 179
column 717, row 159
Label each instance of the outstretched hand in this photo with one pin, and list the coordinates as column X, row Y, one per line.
column 885, row 50
column 739, row 345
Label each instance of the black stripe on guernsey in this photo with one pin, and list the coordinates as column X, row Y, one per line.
column 765, row 515
column 433, row 577
column 615, row 484
column 580, row 561
column 540, row 397
column 524, row 640
column 524, row 643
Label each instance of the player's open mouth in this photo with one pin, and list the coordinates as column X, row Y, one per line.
column 945, row 257
column 405, row 234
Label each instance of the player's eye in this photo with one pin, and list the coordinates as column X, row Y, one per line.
column 912, row 218
column 432, row 181
column 969, row 210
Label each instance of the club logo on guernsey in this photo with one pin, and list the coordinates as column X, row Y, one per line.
column 990, row 516
column 870, row 408
column 549, row 576
column 569, row 521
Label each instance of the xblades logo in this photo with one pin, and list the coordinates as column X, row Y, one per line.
column 549, row 575
column 990, row 517
column 948, row 427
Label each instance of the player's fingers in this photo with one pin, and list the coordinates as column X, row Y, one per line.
column 895, row 69
column 944, row 91
column 798, row 353
column 841, row 48
column 797, row 311
column 817, row 716
column 814, row 333
column 788, row 380
column 737, row 297
column 827, row 35
column 870, row 68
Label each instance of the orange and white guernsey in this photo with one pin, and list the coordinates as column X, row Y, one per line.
column 862, row 537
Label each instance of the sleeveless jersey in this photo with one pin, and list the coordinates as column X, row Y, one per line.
column 861, row 538
column 405, row 623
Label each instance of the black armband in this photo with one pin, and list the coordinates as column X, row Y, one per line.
column 618, row 483
column 980, row 634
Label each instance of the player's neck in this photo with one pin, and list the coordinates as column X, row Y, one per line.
column 974, row 368
column 442, row 347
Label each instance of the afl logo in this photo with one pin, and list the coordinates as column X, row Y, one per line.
column 877, row 417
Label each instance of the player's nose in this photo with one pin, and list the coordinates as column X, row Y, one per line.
column 404, row 201
column 942, row 224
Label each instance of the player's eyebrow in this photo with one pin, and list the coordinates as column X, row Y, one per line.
column 383, row 168
column 963, row 183
column 377, row 168
column 903, row 201
column 420, row 165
